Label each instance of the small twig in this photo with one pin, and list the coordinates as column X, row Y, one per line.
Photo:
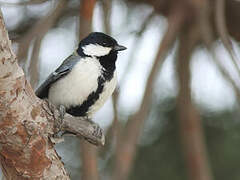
column 207, row 38
column 113, row 132
column 86, row 13
column 27, row 23
column 41, row 27
column 146, row 23
column 136, row 43
column 126, row 146
column 84, row 128
column 193, row 143
column 107, row 10
column 31, row 2
column 223, row 33
column 115, row 129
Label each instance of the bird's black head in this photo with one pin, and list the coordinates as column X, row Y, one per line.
column 98, row 44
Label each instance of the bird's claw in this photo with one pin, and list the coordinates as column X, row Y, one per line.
column 97, row 131
column 62, row 111
column 98, row 134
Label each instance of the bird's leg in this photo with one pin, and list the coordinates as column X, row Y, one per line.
column 88, row 118
column 98, row 132
column 62, row 111
column 58, row 136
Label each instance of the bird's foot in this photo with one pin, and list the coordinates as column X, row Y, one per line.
column 88, row 118
column 56, row 138
column 59, row 122
column 97, row 132
column 68, row 133
column 62, row 111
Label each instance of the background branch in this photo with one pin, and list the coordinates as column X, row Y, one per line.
column 107, row 10
column 190, row 122
column 207, row 38
column 41, row 28
column 30, row 2
column 126, row 147
column 223, row 33
column 88, row 152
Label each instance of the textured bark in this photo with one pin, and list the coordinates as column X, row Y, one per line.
column 26, row 151
column 28, row 123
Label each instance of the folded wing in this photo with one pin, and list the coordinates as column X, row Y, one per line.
column 61, row 71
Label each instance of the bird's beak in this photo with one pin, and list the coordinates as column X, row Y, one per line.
column 119, row 48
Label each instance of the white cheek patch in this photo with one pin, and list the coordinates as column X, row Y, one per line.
column 96, row 50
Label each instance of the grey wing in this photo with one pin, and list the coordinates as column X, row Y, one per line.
column 61, row 71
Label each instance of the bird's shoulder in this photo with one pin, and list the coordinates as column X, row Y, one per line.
column 60, row 72
column 67, row 64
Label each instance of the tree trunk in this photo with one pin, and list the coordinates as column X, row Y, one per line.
column 26, row 151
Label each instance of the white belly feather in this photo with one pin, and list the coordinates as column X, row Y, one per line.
column 108, row 89
column 75, row 87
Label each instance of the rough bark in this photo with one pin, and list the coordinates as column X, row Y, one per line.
column 27, row 123
column 26, row 152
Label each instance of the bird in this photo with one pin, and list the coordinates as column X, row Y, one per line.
column 86, row 78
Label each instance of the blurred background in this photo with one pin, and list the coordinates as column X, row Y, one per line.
column 175, row 113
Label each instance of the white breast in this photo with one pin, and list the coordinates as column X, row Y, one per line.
column 108, row 89
column 75, row 87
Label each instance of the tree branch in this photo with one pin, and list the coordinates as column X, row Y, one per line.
column 223, row 33
column 207, row 38
column 41, row 27
column 79, row 126
column 136, row 42
column 106, row 6
column 25, row 148
column 193, row 144
column 126, row 146
column 86, row 13
column 30, row 2
column 88, row 152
